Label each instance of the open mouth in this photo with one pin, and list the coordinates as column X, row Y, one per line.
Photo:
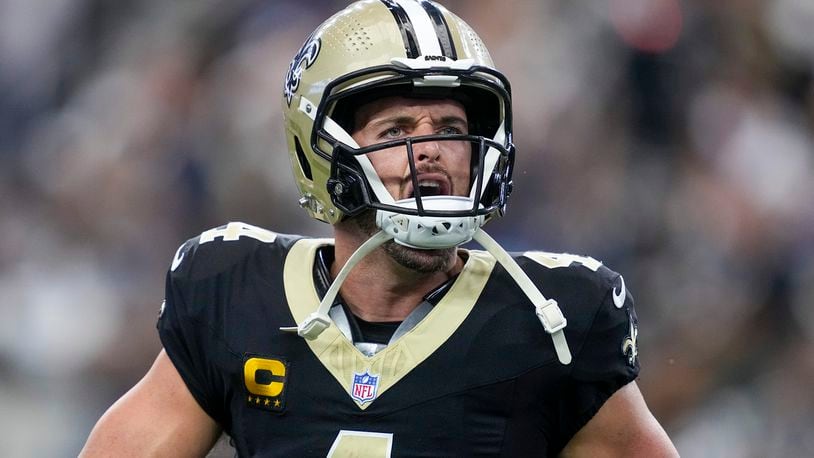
column 430, row 185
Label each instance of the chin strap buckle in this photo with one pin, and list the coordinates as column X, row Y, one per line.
column 551, row 316
column 313, row 325
column 554, row 322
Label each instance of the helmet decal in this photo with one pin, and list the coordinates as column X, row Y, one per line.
column 305, row 58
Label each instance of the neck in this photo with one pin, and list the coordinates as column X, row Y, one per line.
column 380, row 288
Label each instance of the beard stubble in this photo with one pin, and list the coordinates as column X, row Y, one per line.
column 422, row 261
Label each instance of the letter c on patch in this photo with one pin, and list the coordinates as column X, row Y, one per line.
column 269, row 386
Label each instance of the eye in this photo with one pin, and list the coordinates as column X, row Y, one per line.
column 392, row 132
column 449, row 130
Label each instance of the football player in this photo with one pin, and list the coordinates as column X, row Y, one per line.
column 390, row 339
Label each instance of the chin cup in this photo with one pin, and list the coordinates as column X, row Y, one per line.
column 431, row 232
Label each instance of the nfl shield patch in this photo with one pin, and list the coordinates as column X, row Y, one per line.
column 364, row 387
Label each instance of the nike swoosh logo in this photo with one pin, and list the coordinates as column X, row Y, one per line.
column 619, row 296
column 176, row 260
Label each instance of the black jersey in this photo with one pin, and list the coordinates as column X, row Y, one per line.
column 477, row 376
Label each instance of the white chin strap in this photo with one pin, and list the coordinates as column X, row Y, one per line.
column 547, row 310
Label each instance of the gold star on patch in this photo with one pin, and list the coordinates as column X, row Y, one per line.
column 266, row 402
column 276, row 403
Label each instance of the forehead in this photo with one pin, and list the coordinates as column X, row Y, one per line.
column 404, row 106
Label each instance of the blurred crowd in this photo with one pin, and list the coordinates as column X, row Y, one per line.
column 672, row 140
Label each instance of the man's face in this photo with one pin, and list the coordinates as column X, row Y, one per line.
column 442, row 167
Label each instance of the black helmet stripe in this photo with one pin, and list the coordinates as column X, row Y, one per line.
column 406, row 27
column 441, row 29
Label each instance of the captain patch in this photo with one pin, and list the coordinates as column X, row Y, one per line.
column 265, row 382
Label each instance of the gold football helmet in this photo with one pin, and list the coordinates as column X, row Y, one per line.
column 409, row 48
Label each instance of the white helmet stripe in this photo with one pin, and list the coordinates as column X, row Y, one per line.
column 423, row 26
column 441, row 29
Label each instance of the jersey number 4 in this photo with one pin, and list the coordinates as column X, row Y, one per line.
column 231, row 232
column 235, row 230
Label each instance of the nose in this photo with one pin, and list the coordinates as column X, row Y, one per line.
column 426, row 151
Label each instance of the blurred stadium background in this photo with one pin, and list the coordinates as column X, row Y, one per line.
column 672, row 140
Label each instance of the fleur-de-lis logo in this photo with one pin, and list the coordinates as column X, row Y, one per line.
column 304, row 59
column 629, row 346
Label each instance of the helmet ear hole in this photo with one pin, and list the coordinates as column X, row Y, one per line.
column 304, row 164
column 347, row 189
